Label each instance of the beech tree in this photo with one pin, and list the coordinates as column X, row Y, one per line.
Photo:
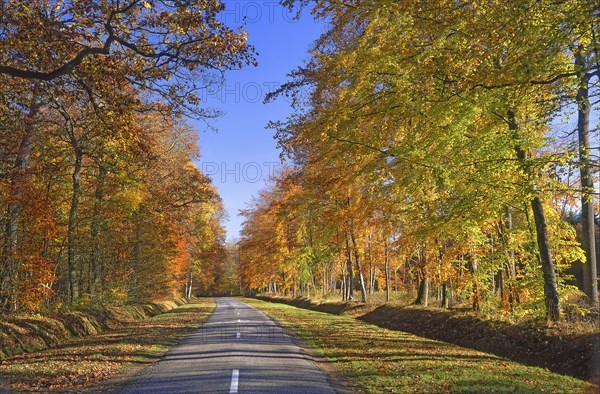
column 442, row 112
column 88, row 75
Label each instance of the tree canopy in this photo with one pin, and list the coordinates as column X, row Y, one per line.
column 425, row 133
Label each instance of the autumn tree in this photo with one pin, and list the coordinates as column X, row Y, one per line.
column 444, row 109
column 89, row 75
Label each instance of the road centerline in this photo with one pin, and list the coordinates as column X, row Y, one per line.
column 206, row 360
column 235, row 374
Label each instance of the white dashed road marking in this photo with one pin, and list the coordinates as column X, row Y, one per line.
column 235, row 374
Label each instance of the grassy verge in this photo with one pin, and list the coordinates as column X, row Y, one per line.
column 378, row 360
column 90, row 360
column 566, row 348
column 27, row 332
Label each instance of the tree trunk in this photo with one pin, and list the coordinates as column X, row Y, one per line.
column 502, row 288
column 350, row 280
column 95, row 266
column 511, row 270
column 363, row 290
column 189, row 283
column 590, row 275
column 371, row 277
column 445, row 301
column 10, row 268
column 361, row 278
column 550, row 285
column 476, row 300
column 371, row 269
column 423, row 292
column 543, row 243
column 343, row 282
column 387, row 272
column 136, row 255
column 73, row 280
column 423, row 286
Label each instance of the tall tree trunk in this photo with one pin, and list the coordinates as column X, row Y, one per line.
column 476, row 300
column 363, row 290
column 137, row 247
column 188, row 286
column 333, row 284
column 361, row 279
column 95, row 265
column 387, row 271
column 371, row 277
column 423, row 282
column 371, row 268
column 423, row 292
column 590, row 275
column 501, row 275
column 343, row 285
column 423, row 286
column 543, row 243
column 73, row 280
column 550, row 284
column 350, row 280
column 445, row 302
column 511, row 270
column 10, row 267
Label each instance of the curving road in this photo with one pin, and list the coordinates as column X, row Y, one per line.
column 238, row 350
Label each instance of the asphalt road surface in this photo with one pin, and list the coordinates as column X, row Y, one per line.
column 238, row 350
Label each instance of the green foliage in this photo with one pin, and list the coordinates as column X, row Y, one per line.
column 426, row 130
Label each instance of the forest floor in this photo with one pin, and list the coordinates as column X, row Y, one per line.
column 376, row 359
column 86, row 362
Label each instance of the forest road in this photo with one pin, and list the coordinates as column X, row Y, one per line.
column 237, row 350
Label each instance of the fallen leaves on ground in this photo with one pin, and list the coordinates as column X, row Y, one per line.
column 92, row 359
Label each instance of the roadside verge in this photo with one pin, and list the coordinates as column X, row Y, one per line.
column 559, row 349
column 383, row 360
column 82, row 362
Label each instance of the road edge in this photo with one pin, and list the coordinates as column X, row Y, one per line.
column 117, row 383
column 339, row 382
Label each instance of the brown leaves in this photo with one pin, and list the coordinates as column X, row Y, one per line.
column 96, row 358
column 150, row 45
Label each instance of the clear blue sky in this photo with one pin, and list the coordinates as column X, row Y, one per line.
column 240, row 156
